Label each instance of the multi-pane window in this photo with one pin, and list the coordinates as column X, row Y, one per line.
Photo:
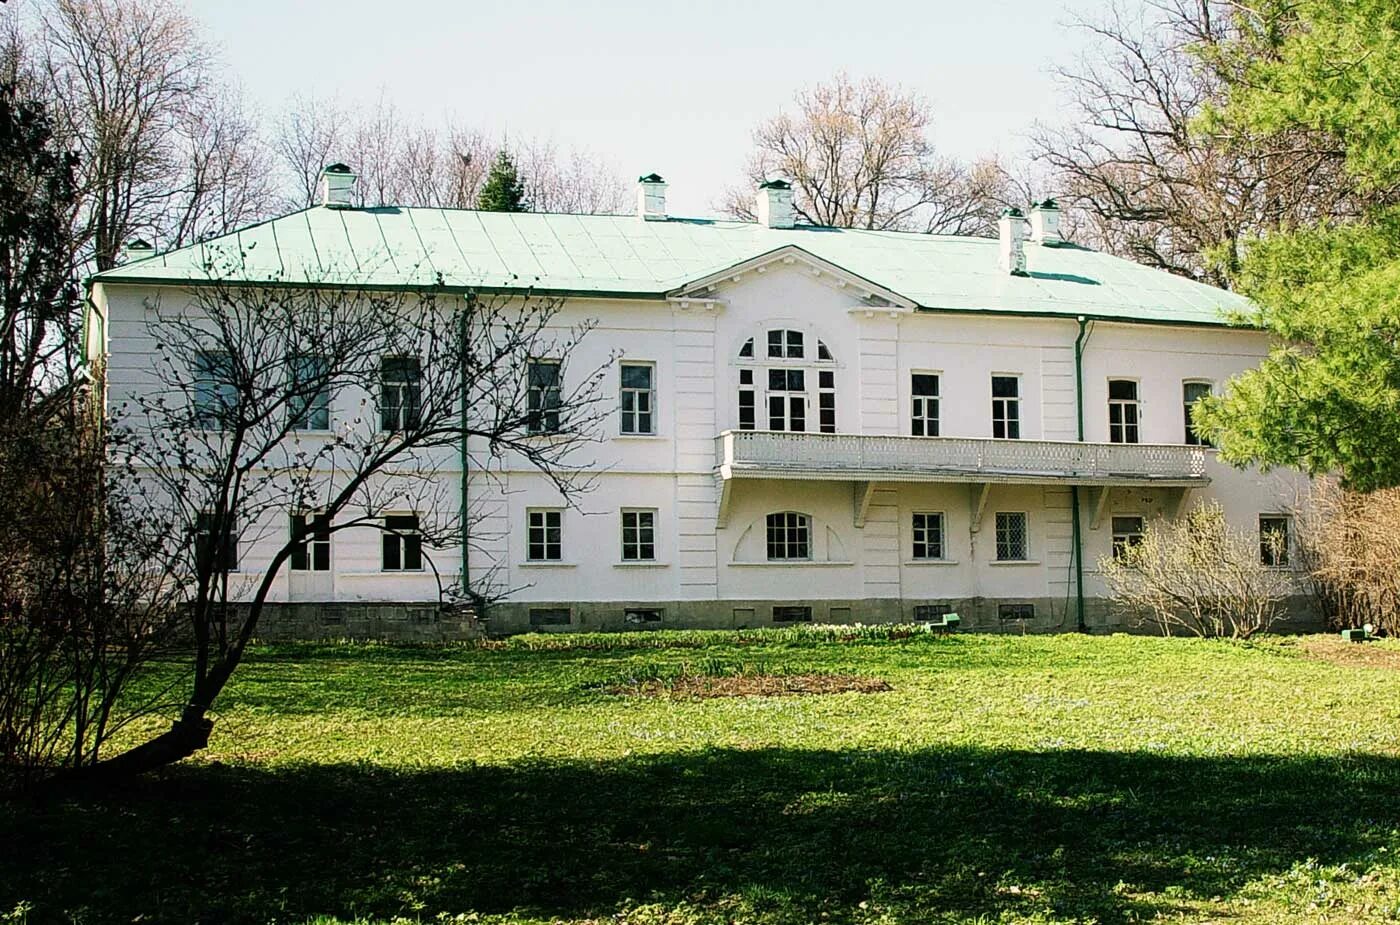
column 215, row 545
column 544, row 538
column 544, row 396
column 928, row 535
column 746, row 351
column 746, row 400
column 785, row 344
column 215, row 388
column 826, row 401
column 310, row 393
column 1192, row 392
column 402, row 543
column 1127, row 533
column 1006, row 407
column 312, row 538
column 638, row 535
column 400, row 393
column 638, row 398
column 1123, row 411
column 1273, row 539
column 787, row 399
column 789, row 536
column 924, row 392
column 1012, row 545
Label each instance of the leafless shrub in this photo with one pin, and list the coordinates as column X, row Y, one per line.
column 1198, row 576
column 1349, row 546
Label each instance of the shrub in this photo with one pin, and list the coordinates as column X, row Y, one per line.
column 1349, row 545
column 1198, row 575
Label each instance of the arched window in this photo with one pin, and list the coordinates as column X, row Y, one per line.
column 789, row 377
column 789, row 536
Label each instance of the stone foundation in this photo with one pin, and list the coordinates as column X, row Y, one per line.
column 417, row 621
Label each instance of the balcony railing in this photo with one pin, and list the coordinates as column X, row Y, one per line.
column 773, row 454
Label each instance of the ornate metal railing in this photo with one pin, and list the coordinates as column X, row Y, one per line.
column 886, row 456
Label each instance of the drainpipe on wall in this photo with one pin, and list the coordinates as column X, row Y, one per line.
column 466, row 582
column 1079, row 343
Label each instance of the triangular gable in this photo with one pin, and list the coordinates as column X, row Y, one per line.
column 871, row 293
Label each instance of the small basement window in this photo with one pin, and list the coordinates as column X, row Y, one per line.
column 551, row 616
column 643, row 616
column 924, row 613
column 792, row 614
column 1016, row 611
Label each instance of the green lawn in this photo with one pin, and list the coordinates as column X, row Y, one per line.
column 1001, row 779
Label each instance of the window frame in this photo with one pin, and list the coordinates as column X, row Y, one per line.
column 1121, row 540
column 640, row 545
column 919, row 404
column 407, row 408
column 226, row 555
column 544, row 543
column 215, row 398
column 791, row 401
column 543, row 401
column 302, row 409
column 1006, row 409
column 1280, row 557
column 311, row 536
column 406, row 541
column 648, row 394
column 941, row 540
column 794, row 531
column 1000, row 539
column 1192, row 438
column 1123, row 406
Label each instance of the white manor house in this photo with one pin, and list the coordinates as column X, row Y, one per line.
column 809, row 423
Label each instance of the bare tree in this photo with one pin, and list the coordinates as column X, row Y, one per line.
column 217, row 441
column 1143, row 175
column 308, row 138
column 858, row 156
column 1198, row 575
column 1348, row 544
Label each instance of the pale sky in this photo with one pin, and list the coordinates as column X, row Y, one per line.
column 674, row 88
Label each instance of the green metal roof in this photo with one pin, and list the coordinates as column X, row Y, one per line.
column 622, row 255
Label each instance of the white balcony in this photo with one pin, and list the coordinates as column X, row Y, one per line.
column 887, row 458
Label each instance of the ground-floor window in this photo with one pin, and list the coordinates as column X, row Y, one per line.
column 312, row 535
column 638, row 535
column 402, row 544
column 545, row 535
column 1273, row 539
column 1011, row 536
column 1127, row 533
column 928, row 535
column 789, row 536
column 216, row 546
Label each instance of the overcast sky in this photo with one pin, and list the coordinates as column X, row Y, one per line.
column 658, row 86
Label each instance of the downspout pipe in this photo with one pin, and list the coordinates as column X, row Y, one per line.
column 1076, row 525
column 466, row 522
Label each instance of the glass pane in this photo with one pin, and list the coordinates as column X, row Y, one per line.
column 636, row 377
column 1005, row 386
column 925, row 384
column 1122, row 389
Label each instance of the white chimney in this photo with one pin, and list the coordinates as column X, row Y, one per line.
column 773, row 205
column 1013, row 251
column 651, row 198
column 337, row 182
column 135, row 249
column 1045, row 223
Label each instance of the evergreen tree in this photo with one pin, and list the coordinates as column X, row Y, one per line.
column 504, row 190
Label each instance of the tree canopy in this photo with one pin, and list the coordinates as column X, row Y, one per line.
column 504, row 190
column 1328, row 398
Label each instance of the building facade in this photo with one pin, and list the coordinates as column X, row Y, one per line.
column 808, row 424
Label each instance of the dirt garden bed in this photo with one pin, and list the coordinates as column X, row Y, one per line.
column 701, row 686
column 1352, row 654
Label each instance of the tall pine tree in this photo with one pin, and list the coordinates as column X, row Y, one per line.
column 504, row 190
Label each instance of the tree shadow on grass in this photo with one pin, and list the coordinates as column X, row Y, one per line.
column 789, row 835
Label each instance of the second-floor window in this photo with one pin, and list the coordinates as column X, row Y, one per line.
column 312, row 536
column 746, row 400
column 400, row 393
column 1192, row 392
column 789, row 536
column 924, row 404
column 215, row 389
column 638, row 399
column 1123, row 411
column 785, row 344
column 1006, row 407
column 544, row 395
column 787, row 399
column 310, row 393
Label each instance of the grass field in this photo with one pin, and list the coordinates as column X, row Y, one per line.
column 999, row 779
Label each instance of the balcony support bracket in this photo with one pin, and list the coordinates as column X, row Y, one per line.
column 1179, row 498
column 981, row 491
column 1100, row 504
column 722, row 515
column 864, row 491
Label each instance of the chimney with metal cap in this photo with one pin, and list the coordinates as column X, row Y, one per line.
column 1045, row 223
column 337, row 184
column 773, row 205
column 1013, row 252
column 651, row 198
column 135, row 249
